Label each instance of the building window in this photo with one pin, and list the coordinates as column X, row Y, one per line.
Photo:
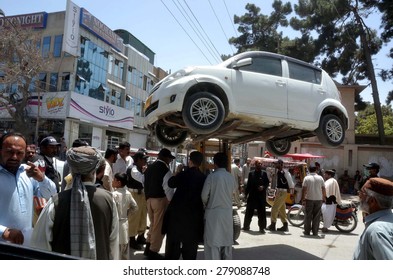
column 116, row 68
column 65, row 82
column 33, row 84
column 110, row 67
column 53, row 82
column 57, row 45
column 93, row 66
column 138, row 108
column 128, row 102
column 42, row 78
column 144, row 83
column 45, row 46
column 115, row 98
column 129, row 74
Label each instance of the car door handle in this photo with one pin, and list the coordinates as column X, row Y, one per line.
column 321, row 91
column 281, row 83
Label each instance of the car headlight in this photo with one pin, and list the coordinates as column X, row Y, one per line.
column 181, row 73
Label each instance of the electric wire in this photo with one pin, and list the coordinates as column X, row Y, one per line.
column 201, row 27
column 230, row 19
column 185, row 31
column 222, row 29
column 194, row 28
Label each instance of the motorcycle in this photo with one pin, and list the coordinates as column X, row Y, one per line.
column 345, row 220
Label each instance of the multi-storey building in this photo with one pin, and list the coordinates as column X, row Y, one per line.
column 96, row 85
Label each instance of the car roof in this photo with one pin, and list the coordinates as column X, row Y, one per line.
column 269, row 54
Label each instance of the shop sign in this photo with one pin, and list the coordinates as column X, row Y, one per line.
column 88, row 109
column 50, row 104
column 36, row 20
column 95, row 26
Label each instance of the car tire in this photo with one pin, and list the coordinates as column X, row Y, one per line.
column 203, row 113
column 331, row 131
column 278, row 147
column 237, row 225
column 170, row 136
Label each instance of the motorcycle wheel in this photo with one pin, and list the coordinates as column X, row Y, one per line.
column 347, row 225
column 295, row 215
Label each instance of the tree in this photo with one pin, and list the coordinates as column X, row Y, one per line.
column 386, row 8
column 260, row 32
column 345, row 43
column 20, row 64
column 366, row 122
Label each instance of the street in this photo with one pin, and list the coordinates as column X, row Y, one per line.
column 292, row 245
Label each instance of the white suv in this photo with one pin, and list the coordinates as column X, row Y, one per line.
column 251, row 96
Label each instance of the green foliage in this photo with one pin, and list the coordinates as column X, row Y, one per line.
column 260, row 32
column 366, row 121
column 338, row 36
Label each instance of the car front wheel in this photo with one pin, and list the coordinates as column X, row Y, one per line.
column 278, row 147
column 331, row 132
column 170, row 136
column 203, row 113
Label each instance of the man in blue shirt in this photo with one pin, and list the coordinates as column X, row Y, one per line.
column 376, row 242
column 18, row 184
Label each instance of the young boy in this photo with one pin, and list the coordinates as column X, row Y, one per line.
column 125, row 204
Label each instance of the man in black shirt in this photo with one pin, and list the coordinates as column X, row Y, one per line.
column 257, row 184
column 157, row 201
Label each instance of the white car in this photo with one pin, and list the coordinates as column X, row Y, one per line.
column 251, row 96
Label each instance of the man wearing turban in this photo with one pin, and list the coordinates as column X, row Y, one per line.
column 82, row 221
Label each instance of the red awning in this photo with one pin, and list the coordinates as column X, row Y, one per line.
column 302, row 156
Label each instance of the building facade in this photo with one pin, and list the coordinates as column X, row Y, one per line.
column 96, row 84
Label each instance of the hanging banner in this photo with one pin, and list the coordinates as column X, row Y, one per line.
column 71, row 29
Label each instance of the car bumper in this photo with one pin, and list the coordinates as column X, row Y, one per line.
column 166, row 100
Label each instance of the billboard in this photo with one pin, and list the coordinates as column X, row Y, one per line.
column 95, row 26
column 36, row 20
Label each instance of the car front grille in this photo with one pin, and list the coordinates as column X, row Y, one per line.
column 151, row 108
column 157, row 86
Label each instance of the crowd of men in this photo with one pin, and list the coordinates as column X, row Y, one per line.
column 102, row 206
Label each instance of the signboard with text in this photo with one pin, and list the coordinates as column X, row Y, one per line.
column 71, row 29
column 35, row 20
column 96, row 111
column 95, row 26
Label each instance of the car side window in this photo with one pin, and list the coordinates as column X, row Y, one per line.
column 265, row 65
column 304, row 73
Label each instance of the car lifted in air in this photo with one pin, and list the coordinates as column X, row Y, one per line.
column 252, row 96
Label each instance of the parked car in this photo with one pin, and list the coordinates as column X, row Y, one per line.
column 251, row 96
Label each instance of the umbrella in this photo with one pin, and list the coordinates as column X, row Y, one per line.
column 302, row 156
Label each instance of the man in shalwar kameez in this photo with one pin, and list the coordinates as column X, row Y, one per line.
column 217, row 196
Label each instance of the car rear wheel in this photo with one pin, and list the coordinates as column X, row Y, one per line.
column 203, row 112
column 278, row 147
column 170, row 136
column 331, row 132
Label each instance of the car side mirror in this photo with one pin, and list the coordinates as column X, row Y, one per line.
column 242, row 62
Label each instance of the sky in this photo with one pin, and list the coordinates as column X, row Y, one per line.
column 180, row 32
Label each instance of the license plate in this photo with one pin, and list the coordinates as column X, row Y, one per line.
column 148, row 102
